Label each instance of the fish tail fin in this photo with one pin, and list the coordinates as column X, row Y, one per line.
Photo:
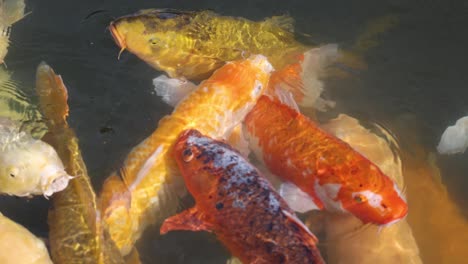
column 302, row 79
column 346, row 65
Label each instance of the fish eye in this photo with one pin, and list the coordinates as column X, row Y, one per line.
column 187, row 155
column 359, row 198
column 13, row 172
column 153, row 41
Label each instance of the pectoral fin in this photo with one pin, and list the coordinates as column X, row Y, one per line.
column 187, row 220
column 172, row 90
column 297, row 199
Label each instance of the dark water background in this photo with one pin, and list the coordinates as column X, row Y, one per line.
column 417, row 74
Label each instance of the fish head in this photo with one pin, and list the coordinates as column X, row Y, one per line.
column 154, row 35
column 373, row 198
column 194, row 161
column 32, row 169
column 245, row 80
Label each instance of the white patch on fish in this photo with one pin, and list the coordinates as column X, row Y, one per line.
column 262, row 63
column 297, row 199
column 373, row 199
column 397, row 190
column 325, row 192
column 258, row 87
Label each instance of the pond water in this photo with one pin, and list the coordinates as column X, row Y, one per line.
column 415, row 85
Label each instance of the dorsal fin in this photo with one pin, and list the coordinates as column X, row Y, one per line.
column 285, row 22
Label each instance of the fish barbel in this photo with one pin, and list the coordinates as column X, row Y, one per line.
column 238, row 204
column 76, row 234
column 328, row 170
column 191, row 45
column 134, row 197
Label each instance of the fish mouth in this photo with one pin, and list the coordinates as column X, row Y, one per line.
column 59, row 183
column 119, row 40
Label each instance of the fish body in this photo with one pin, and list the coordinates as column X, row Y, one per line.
column 28, row 166
column 191, row 45
column 348, row 241
column 238, row 204
column 76, row 234
column 332, row 173
column 141, row 191
column 19, row 245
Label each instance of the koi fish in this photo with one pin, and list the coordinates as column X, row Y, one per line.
column 19, row 245
column 28, row 166
column 191, row 45
column 76, row 234
column 141, row 192
column 319, row 166
column 238, row 204
column 347, row 239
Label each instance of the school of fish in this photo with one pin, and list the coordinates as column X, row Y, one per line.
column 189, row 46
column 238, row 86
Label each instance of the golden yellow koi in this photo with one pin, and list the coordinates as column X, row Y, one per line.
column 76, row 234
column 135, row 197
column 191, row 45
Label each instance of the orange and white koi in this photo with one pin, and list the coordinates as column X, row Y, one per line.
column 328, row 170
column 238, row 204
column 132, row 198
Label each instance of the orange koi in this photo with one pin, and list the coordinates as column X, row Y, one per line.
column 325, row 168
column 135, row 197
column 238, row 204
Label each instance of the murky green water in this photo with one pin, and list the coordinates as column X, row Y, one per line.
column 416, row 78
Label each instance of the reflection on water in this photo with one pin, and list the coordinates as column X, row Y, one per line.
column 17, row 105
column 417, row 69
